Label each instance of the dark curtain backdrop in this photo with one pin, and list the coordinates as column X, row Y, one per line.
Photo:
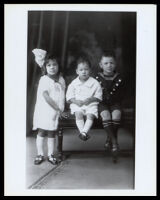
column 68, row 34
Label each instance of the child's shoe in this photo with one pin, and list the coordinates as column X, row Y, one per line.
column 87, row 137
column 39, row 159
column 84, row 136
column 52, row 159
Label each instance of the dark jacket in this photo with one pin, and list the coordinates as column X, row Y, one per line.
column 113, row 88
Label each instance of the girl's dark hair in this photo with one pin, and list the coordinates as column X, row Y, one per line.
column 83, row 59
column 47, row 58
column 108, row 53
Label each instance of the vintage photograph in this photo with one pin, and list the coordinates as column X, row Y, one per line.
column 81, row 72
column 80, row 100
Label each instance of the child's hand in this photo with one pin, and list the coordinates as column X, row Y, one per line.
column 64, row 115
column 79, row 103
column 87, row 101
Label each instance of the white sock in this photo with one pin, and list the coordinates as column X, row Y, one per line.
column 50, row 146
column 87, row 125
column 39, row 144
column 80, row 124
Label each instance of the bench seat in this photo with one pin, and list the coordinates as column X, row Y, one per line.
column 127, row 122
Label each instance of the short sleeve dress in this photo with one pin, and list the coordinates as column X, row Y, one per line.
column 45, row 117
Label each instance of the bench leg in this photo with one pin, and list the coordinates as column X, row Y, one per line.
column 60, row 144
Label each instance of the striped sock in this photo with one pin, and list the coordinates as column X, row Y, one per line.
column 108, row 126
column 107, row 123
column 116, row 124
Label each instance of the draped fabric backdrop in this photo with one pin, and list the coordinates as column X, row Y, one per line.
column 68, row 34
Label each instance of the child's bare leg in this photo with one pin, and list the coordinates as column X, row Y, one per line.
column 88, row 123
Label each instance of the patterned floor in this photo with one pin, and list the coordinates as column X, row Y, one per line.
column 90, row 171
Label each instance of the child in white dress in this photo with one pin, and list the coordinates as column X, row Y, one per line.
column 83, row 94
column 49, row 106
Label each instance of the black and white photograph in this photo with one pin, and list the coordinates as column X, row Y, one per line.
column 83, row 74
column 94, row 47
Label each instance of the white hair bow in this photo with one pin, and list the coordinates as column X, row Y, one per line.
column 39, row 56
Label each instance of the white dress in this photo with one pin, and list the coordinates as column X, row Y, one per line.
column 45, row 117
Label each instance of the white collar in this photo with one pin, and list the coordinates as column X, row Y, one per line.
column 108, row 78
column 59, row 80
column 89, row 82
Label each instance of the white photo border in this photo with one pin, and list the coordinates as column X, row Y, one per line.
column 16, row 16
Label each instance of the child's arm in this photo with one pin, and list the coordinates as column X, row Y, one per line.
column 77, row 102
column 70, row 96
column 50, row 101
column 90, row 100
column 97, row 97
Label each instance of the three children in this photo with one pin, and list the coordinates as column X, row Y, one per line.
column 88, row 98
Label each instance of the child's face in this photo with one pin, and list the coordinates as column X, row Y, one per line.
column 83, row 71
column 52, row 67
column 108, row 65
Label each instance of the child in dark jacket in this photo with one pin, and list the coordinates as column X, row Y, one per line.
column 110, row 107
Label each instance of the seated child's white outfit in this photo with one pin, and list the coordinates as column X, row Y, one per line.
column 82, row 91
column 45, row 117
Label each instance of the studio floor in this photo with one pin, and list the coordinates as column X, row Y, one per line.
column 85, row 166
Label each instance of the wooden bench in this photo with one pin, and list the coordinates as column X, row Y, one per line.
column 128, row 121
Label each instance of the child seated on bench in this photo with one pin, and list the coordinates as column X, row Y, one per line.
column 83, row 94
column 110, row 107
